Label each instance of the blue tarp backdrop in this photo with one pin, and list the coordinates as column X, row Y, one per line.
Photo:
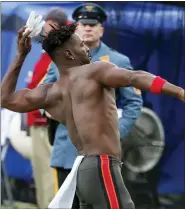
column 152, row 35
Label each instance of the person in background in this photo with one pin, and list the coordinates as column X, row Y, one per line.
column 41, row 148
column 90, row 18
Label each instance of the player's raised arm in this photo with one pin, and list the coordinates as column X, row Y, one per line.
column 24, row 100
column 110, row 75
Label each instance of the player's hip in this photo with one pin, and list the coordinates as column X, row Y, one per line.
column 99, row 180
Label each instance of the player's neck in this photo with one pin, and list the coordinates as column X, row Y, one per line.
column 64, row 68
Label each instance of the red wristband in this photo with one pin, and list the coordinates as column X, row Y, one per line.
column 157, row 85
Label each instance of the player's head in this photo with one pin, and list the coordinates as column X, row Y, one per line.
column 90, row 18
column 64, row 44
column 55, row 16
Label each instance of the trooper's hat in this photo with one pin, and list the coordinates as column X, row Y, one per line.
column 89, row 13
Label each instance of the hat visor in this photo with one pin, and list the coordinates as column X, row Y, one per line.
column 89, row 21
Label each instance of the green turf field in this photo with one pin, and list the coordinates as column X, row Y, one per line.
column 18, row 205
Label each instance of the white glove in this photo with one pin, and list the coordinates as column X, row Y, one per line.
column 35, row 24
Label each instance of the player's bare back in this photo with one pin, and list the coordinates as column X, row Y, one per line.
column 89, row 111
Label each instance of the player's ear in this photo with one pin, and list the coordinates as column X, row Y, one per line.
column 101, row 30
column 68, row 54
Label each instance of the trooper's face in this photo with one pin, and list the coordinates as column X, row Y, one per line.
column 90, row 33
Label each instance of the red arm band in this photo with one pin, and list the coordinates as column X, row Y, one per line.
column 157, row 85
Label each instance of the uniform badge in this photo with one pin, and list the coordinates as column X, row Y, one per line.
column 89, row 8
column 105, row 58
column 137, row 91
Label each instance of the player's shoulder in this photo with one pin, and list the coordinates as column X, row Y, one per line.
column 97, row 68
column 101, row 65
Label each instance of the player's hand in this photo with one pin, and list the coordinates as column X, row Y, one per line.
column 23, row 42
column 181, row 95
